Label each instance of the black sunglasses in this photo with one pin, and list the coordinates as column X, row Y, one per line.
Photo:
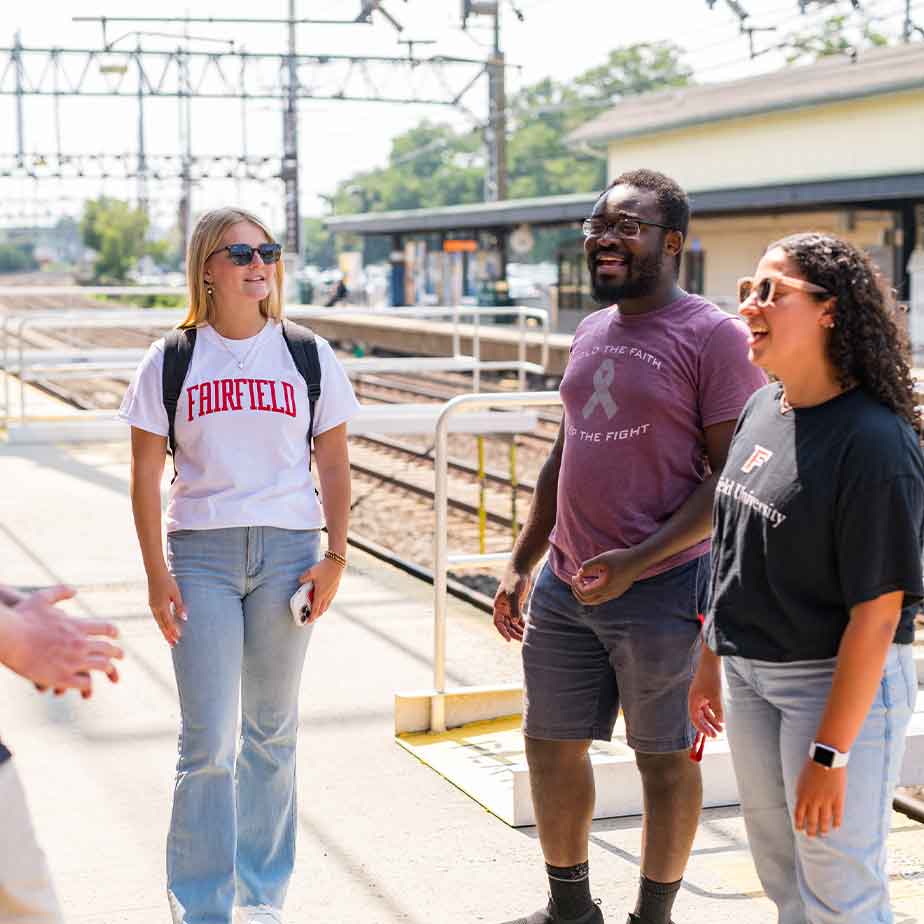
column 242, row 254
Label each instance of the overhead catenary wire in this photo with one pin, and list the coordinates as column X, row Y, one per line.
column 514, row 112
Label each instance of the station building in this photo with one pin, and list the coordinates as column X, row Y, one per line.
column 833, row 146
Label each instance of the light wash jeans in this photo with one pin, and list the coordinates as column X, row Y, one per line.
column 773, row 712
column 238, row 666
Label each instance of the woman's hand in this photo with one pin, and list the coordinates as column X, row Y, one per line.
column 820, row 796
column 326, row 576
column 166, row 604
column 705, row 697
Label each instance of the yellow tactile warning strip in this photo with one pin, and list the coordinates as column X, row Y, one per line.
column 477, row 758
column 480, row 758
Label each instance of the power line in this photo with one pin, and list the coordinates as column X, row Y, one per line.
column 185, row 74
column 513, row 111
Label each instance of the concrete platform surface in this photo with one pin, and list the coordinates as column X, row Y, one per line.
column 382, row 838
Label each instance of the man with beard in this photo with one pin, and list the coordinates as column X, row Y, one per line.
column 653, row 387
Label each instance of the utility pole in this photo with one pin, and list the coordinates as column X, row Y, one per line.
column 18, row 67
column 185, row 97
column 497, row 120
column 142, row 154
column 290, row 151
column 495, row 184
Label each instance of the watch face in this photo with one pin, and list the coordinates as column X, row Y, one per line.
column 823, row 756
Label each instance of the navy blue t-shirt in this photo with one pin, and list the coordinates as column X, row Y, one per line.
column 817, row 509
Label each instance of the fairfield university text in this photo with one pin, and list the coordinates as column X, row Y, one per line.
column 219, row 395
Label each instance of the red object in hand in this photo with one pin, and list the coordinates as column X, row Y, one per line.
column 696, row 752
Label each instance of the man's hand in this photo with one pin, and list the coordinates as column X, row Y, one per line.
column 607, row 576
column 50, row 648
column 820, row 795
column 509, row 602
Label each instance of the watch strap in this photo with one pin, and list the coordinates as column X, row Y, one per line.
column 829, row 757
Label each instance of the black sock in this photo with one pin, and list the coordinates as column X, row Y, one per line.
column 655, row 900
column 570, row 887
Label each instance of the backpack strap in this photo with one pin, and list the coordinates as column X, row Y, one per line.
column 178, row 349
column 304, row 349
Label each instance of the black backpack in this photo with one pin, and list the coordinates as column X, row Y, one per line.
column 178, row 349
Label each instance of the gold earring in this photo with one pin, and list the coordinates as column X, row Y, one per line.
column 209, row 290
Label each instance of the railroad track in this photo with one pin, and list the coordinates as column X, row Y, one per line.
column 377, row 388
column 392, row 497
column 402, row 466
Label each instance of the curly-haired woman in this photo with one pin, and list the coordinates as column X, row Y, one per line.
column 819, row 520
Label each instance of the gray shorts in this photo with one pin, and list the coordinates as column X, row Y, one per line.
column 581, row 663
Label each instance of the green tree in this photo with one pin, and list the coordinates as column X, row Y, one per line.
column 844, row 33
column 17, row 258
column 117, row 233
column 434, row 164
column 318, row 246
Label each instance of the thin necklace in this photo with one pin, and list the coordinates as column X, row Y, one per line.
column 241, row 361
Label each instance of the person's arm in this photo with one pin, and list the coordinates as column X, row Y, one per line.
column 42, row 643
column 149, row 451
column 612, row 573
column 857, row 675
column 332, row 458
column 704, row 699
column 530, row 546
column 9, row 596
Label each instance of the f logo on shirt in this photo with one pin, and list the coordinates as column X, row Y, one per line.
column 756, row 459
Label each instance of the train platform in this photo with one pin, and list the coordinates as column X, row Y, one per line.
column 434, row 338
column 382, row 837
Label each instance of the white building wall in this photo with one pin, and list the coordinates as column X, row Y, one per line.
column 876, row 136
column 733, row 246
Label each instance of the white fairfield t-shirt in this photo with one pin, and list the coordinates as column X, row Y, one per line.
column 242, row 453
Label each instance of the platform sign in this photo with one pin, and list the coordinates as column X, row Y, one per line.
column 460, row 245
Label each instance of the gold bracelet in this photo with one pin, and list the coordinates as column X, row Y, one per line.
column 334, row 556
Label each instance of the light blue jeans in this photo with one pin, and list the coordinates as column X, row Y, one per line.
column 238, row 669
column 773, row 712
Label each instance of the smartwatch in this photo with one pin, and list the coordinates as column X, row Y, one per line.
column 830, row 758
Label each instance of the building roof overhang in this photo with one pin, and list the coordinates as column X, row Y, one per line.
column 835, row 79
column 858, row 192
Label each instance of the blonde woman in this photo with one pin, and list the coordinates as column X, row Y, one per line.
column 243, row 532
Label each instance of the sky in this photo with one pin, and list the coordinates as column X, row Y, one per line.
column 556, row 38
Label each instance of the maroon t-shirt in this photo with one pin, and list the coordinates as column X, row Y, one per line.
column 638, row 393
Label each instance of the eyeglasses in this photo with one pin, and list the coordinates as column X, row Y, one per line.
column 621, row 227
column 242, row 254
column 765, row 289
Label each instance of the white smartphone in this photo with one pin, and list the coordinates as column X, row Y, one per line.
column 300, row 603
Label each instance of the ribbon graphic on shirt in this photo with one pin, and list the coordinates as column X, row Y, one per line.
column 603, row 378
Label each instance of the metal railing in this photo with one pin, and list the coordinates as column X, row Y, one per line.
column 16, row 359
column 442, row 560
